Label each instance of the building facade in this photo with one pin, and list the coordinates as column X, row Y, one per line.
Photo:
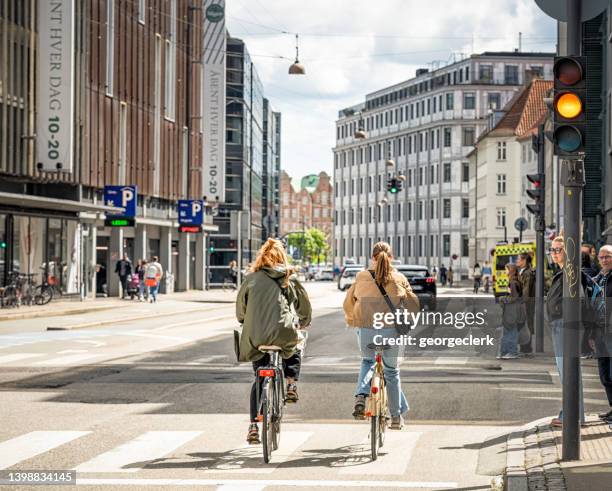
column 308, row 205
column 135, row 122
column 426, row 126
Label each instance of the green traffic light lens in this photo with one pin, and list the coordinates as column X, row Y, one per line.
column 568, row 138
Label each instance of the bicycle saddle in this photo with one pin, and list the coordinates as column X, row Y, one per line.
column 264, row 347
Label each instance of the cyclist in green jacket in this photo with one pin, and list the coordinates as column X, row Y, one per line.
column 270, row 305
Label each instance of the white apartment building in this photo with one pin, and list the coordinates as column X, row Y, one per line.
column 427, row 125
column 499, row 164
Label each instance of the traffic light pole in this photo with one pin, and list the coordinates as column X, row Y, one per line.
column 572, row 179
column 540, row 226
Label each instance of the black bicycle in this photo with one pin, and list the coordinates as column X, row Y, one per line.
column 271, row 401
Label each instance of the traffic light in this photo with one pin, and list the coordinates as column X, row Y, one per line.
column 3, row 244
column 569, row 105
column 399, row 184
column 392, row 185
column 211, row 246
column 536, row 194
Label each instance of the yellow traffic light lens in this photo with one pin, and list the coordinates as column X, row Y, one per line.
column 569, row 105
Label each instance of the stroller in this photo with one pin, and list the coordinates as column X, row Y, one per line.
column 133, row 286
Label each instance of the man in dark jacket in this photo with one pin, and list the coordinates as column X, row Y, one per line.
column 124, row 268
column 603, row 342
column 527, row 281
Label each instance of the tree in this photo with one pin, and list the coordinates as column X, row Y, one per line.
column 312, row 245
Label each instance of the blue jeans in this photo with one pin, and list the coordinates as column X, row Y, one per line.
column 153, row 291
column 557, row 337
column 509, row 340
column 365, row 336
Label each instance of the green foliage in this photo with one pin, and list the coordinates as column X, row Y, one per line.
column 312, row 245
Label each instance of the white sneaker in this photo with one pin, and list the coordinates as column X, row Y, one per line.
column 510, row 356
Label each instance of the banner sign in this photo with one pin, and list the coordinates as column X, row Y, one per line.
column 124, row 197
column 55, row 85
column 190, row 212
column 213, row 101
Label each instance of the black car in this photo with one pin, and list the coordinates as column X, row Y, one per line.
column 423, row 284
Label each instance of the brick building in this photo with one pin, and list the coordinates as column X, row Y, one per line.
column 308, row 205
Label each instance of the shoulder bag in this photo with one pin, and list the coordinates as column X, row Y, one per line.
column 402, row 329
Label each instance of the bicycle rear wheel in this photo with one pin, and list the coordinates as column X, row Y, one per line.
column 268, row 431
column 43, row 295
column 9, row 297
column 374, row 431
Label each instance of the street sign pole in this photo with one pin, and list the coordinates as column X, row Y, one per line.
column 540, row 226
column 572, row 179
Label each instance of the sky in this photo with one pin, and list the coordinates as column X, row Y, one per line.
column 353, row 47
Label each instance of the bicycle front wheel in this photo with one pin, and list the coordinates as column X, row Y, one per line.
column 268, row 431
column 43, row 295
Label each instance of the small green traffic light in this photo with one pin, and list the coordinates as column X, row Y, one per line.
column 211, row 249
column 393, row 190
column 3, row 245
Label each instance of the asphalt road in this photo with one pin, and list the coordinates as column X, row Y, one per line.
column 161, row 404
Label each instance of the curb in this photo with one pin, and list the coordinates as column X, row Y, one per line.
column 123, row 319
column 57, row 313
column 516, row 473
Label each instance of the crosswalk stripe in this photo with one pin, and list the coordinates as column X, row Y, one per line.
column 18, row 357
column 394, row 457
column 242, row 487
column 61, row 361
column 132, row 456
column 290, row 441
column 329, row 360
column 29, row 445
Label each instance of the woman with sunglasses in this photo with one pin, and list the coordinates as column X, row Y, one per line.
column 554, row 309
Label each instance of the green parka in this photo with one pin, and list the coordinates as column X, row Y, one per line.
column 264, row 308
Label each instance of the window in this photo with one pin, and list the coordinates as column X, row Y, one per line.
column 469, row 100
column 170, row 61
column 485, row 73
column 447, row 137
column 465, row 175
column 360, row 215
column 431, row 175
column 122, row 143
column 465, row 208
column 501, row 217
column 420, row 251
column 446, row 245
column 157, row 118
column 468, row 136
column 110, row 46
column 494, row 100
column 410, row 211
column 465, row 246
column 447, row 171
column 409, row 178
column 446, row 208
column 537, row 70
column 501, row 150
column 420, row 176
column 399, row 212
column 369, row 184
column 142, row 8
column 450, row 101
column 432, row 209
column 369, row 214
column 420, row 210
column 501, row 184
column 511, row 74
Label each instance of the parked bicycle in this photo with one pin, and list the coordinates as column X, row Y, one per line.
column 377, row 408
column 272, row 400
column 23, row 290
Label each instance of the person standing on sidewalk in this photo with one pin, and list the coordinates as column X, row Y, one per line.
column 477, row 275
column 513, row 316
column 450, row 276
column 154, row 273
column 603, row 340
column 554, row 310
column 141, row 269
column 527, row 280
column 124, row 268
column 443, row 275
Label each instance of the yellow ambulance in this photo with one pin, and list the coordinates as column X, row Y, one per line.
column 508, row 253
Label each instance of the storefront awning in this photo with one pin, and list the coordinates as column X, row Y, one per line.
column 26, row 201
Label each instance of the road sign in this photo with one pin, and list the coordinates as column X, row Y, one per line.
column 521, row 224
column 557, row 9
column 124, row 197
column 191, row 211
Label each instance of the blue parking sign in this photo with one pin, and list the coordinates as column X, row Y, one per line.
column 124, row 197
column 191, row 211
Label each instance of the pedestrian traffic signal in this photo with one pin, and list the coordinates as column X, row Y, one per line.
column 569, row 105
column 211, row 247
column 536, row 194
column 392, row 186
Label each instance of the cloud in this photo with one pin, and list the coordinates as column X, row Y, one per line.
column 353, row 47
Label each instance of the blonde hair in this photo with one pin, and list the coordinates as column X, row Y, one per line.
column 382, row 255
column 272, row 254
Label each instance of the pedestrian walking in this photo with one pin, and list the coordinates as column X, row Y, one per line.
column 123, row 268
column 527, row 281
column 586, row 350
column 443, row 275
column 554, row 310
column 450, row 276
column 513, row 315
column 366, row 297
column 233, row 272
column 603, row 338
column 154, row 273
column 141, row 269
column 487, row 275
column 477, row 275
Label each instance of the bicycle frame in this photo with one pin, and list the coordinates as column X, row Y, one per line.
column 377, row 401
column 274, row 370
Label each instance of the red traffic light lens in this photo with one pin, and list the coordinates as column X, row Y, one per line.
column 568, row 138
column 568, row 71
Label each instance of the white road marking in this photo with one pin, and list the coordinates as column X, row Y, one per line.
column 65, row 360
column 68, row 351
column 329, row 360
column 31, row 444
column 241, row 487
column 132, row 456
column 394, row 456
column 329, row 484
column 209, row 359
column 18, row 357
column 442, row 360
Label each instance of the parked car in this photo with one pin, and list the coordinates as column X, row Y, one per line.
column 325, row 275
column 347, row 277
column 422, row 282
